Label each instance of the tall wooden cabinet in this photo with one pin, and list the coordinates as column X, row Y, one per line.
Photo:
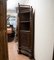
column 3, row 41
column 25, row 30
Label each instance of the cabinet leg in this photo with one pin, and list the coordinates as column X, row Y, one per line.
column 19, row 52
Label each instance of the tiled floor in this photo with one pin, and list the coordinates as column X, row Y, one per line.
column 12, row 51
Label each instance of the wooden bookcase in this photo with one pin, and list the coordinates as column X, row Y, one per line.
column 25, row 30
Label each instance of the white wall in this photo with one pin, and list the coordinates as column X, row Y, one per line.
column 12, row 4
column 43, row 29
column 53, row 21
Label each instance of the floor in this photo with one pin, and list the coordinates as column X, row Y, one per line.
column 12, row 51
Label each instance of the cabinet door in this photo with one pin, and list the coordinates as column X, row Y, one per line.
column 3, row 41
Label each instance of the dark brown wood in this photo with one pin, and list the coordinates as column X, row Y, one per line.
column 25, row 30
column 3, row 40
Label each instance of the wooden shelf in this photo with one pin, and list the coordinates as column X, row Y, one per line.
column 24, row 31
column 24, row 21
column 25, row 12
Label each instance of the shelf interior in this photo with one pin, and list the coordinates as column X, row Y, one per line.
column 24, row 21
column 25, row 17
column 25, row 26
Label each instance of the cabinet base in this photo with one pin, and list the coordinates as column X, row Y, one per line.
column 30, row 56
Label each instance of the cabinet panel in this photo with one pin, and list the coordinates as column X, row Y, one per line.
column 24, row 9
column 25, row 38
